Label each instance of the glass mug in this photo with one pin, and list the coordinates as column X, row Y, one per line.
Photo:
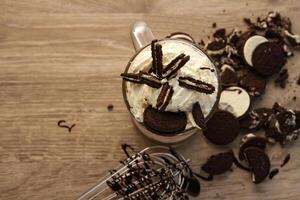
column 142, row 36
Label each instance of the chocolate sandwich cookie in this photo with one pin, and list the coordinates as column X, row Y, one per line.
column 222, row 128
column 235, row 100
column 252, row 82
column 228, row 75
column 251, row 140
column 218, row 164
column 164, row 122
column 216, row 47
column 181, row 35
column 259, row 163
column 268, row 58
column 250, row 45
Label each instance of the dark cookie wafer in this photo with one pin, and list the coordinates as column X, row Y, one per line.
column 149, row 80
column 268, row 58
column 198, row 116
column 222, row 128
column 197, row 85
column 251, row 140
column 259, row 163
column 164, row 122
column 218, row 164
column 164, row 97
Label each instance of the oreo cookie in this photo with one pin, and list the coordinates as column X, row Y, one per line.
column 216, row 47
column 259, row 163
column 218, row 164
column 222, row 128
column 268, row 58
column 235, row 100
column 164, row 122
column 251, row 140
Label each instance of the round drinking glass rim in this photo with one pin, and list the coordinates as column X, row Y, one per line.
column 214, row 108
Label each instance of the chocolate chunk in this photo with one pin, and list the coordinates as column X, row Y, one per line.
column 222, row 128
column 214, row 25
column 175, row 65
column 198, row 116
column 149, row 80
column 218, row 164
column 182, row 35
column 228, row 75
column 252, row 82
column 164, row 122
column 268, row 58
column 256, row 119
column 164, row 97
column 259, row 163
column 251, row 140
column 197, row 85
column 273, row 173
column 282, row 78
column 220, row 33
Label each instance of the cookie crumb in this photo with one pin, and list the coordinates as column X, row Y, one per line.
column 294, row 98
column 298, row 82
column 110, row 107
column 214, row 25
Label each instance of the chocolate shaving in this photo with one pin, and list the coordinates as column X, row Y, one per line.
column 175, row 65
column 60, row 124
column 164, row 97
column 197, row 85
column 286, row 160
column 273, row 173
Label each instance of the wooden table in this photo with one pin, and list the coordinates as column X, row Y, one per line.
column 61, row 60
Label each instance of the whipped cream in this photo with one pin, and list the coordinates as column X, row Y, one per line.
column 140, row 96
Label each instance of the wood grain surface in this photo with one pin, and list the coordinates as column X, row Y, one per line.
column 61, row 60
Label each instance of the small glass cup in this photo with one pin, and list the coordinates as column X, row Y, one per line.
column 142, row 36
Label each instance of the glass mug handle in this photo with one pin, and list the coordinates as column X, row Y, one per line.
column 141, row 35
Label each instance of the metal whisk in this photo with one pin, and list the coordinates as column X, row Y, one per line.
column 154, row 173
